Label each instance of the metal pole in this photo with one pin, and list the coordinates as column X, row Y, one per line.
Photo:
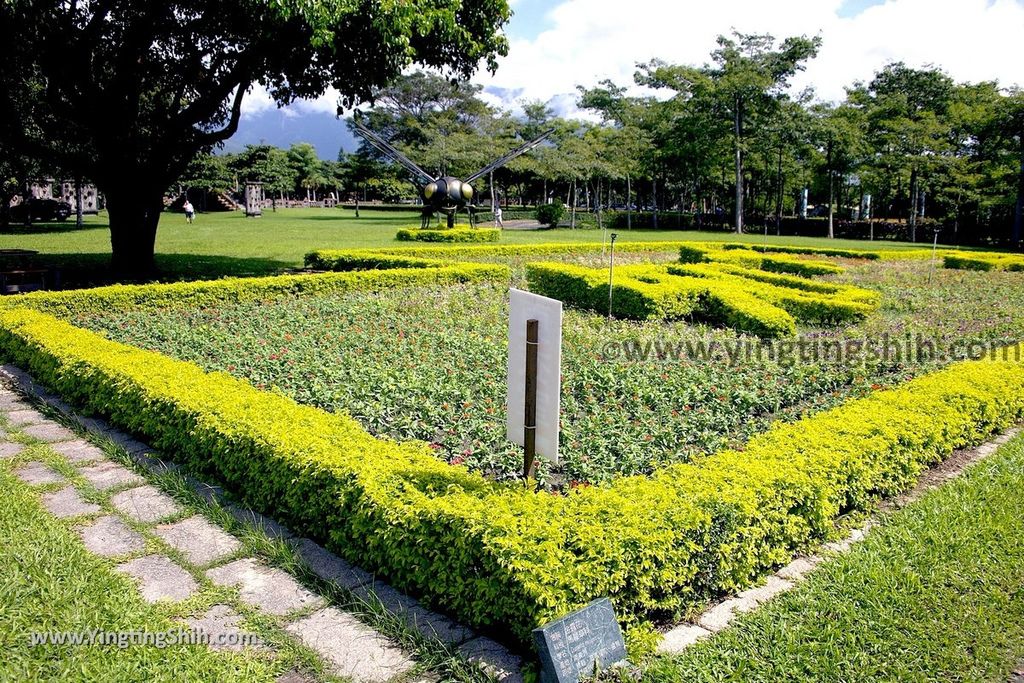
column 611, row 272
column 530, row 426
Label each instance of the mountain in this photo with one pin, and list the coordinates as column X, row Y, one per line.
column 283, row 127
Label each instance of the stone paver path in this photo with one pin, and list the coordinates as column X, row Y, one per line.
column 79, row 451
column 68, row 503
column 49, row 432
column 159, row 578
column 271, row 590
column 353, row 648
column 199, row 541
column 145, row 504
column 108, row 475
column 110, row 537
column 349, row 647
column 37, row 474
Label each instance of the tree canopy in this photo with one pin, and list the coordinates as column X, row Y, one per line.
column 126, row 93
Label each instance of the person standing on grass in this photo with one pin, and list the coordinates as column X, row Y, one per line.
column 190, row 211
column 497, row 217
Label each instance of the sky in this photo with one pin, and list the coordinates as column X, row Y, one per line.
column 557, row 45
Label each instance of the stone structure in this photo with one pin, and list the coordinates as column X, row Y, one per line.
column 253, row 198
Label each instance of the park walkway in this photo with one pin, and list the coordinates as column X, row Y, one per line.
column 173, row 551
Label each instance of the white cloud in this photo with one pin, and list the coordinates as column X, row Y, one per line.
column 590, row 40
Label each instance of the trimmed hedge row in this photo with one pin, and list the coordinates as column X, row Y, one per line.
column 694, row 252
column 983, row 261
column 499, row 556
column 761, row 303
column 404, row 273
column 826, row 303
column 448, row 235
column 820, row 251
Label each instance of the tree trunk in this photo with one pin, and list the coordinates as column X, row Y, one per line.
column 654, row 199
column 831, row 195
column 572, row 221
column 1018, row 218
column 913, row 205
column 133, row 221
column 738, row 149
column 79, row 203
column 629, row 204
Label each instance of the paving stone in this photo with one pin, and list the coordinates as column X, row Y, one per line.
column 28, row 416
column 682, row 637
column 200, row 541
column 208, row 492
column 68, row 503
column 415, row 615
column 494, row 658
column 353, row 649
column 50, row 432
column 10, row 401
column 799, row 567
column 109, row 536
column 108, row 475
column 329, row 566
column 37, row 473
column 272, row 590
column 79, row 451
column 159, row 578
column 128, row 443
column 772, row 587
column 92, row 424
column 295, row 677
column 719, row 616
column 9, row 450
column 220, row 624
column 145, row 504
column 267, row 525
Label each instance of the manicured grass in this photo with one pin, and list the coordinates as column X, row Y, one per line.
column 52, row 584
column 230, row 244
column 429, row 364
column 936, row 594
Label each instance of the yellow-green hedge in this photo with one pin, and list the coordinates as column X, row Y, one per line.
column 983, row 261
column 758, row 302
column 777, row 263
column 448, row 235
column 819, row 251
column 501, row 557
column 229, row 290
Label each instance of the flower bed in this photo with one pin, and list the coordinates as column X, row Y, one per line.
column 499, row 556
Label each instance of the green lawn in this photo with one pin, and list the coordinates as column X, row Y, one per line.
column 52, row 584
column 230, row 244
column 936, row 594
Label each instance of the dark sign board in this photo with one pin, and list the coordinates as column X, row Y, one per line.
column 575, row 645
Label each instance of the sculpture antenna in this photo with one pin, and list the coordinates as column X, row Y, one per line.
column 389, row 150
column 498, row 163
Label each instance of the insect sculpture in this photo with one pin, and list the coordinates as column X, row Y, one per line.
column 444, row 194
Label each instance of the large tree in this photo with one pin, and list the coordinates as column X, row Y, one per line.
column 127, row 92
column 747, row 77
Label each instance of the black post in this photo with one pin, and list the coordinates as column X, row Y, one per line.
column 530, row 415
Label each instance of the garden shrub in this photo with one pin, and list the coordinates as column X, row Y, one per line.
column 757, row 302
column 983, row 261
column 207, row 293
column 551, row 214
column 448, row 235
column 819, row 251
column 502, row 557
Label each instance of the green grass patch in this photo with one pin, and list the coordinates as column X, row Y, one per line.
column 52, row 584
column 228, row 243
column 935, row 594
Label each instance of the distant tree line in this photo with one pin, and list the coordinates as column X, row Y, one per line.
column 725, row 143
